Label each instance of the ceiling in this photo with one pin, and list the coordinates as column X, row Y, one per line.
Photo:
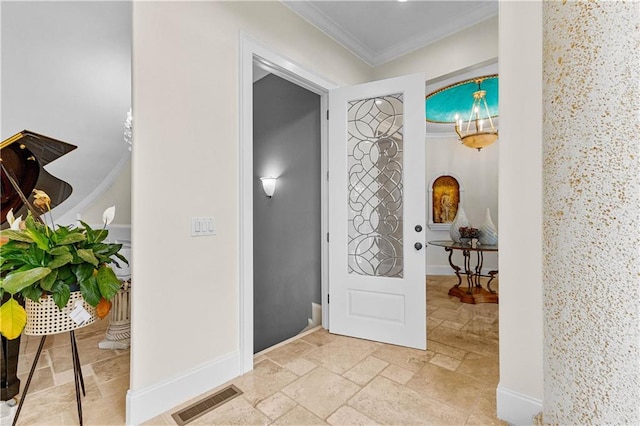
column 66, row 74
column 380, row 31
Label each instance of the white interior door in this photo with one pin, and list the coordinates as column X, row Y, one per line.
column 377, row 211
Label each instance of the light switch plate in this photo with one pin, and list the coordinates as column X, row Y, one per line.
column 202, row 226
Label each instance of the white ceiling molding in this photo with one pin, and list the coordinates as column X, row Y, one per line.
column 489, row 66
column 466, row 14
column 447, row 28
column 318, row 19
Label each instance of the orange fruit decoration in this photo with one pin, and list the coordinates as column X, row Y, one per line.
column 103, row 308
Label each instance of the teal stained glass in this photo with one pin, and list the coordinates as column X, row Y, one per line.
column 442, row 105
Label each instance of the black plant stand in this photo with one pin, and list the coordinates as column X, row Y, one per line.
column 9, row 383
column 77, row 373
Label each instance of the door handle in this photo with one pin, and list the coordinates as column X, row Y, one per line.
column 418, row 246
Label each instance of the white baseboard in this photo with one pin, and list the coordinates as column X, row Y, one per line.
column 439, row 270
column 516, row 408
column 147, row 403
column 447, row 270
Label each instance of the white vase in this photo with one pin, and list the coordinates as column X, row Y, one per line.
column 458, row 222
column 488, row 231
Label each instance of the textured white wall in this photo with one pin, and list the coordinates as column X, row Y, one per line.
column 591, row 224
column 185, row 163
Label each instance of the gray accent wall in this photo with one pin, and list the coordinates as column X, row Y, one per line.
column 286, row 228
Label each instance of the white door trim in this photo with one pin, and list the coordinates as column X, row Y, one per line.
column 286, row 68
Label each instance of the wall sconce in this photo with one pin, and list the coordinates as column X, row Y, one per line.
column 269, row 185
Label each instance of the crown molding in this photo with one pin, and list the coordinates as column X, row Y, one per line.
column 452, row 26
column 325, row 24
column 318, row 19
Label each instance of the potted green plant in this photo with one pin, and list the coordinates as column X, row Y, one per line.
column 40, row 262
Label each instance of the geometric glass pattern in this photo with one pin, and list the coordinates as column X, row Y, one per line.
column 374, row 164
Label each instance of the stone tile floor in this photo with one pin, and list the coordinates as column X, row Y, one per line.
column 51, row 398
column 318, row 378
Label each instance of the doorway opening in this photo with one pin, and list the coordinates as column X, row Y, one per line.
column 253, row 52
column 286, row 225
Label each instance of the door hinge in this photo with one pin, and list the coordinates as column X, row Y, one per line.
column 327, row 298
column 327, row 114
column 327, row 237
column 327, row 174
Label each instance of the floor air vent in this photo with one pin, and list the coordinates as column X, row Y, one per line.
column 205, row 405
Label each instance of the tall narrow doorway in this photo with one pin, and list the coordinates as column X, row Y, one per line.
column 286, row 227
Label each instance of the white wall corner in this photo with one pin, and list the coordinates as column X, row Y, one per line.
column 516, row 408
column 144, row 404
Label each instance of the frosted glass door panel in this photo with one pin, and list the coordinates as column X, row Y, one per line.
column 377, row 211
column 374, row 166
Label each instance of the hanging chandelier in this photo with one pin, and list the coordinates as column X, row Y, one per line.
column 444, row 106
column 475, row 135
column 128, row 129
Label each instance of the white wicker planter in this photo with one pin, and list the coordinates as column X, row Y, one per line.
column 45, row 318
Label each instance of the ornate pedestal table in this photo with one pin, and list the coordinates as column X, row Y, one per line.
column 474, row 292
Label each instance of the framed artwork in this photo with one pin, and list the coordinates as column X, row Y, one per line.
column 445, row 193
